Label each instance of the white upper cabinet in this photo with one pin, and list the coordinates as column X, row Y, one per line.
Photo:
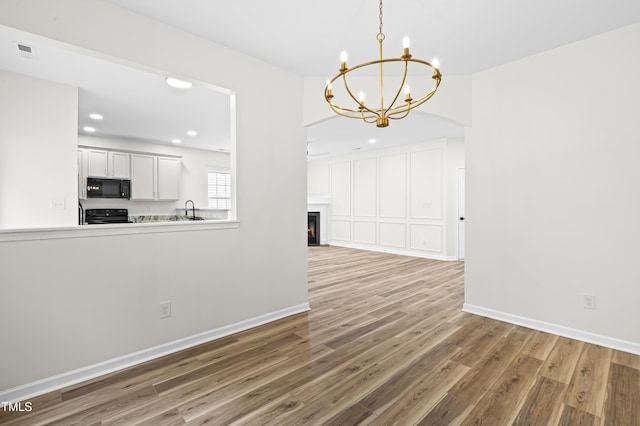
column 155, row 178
column 119, row 165
column 169, row 170
column 108, row 164
column 143, row 181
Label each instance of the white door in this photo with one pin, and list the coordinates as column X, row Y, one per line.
column 461, row 214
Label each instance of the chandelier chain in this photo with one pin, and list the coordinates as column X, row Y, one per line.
column 380, row 35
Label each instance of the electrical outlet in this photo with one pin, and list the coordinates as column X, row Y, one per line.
column 589, row 301
column 165, row 309
column 58, row 204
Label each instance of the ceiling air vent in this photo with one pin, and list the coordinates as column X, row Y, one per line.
column 26, row 51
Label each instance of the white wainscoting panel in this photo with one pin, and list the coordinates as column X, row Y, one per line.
column 426, row 237
column 397, row 200
column 393, row 186
column 364, row 187
column 364, row 232
column 318, row 182
column 426, row 184
column 341, row 230
column 341, row 189
column 393, row 234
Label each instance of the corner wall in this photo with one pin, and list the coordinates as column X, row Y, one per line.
column 38, row 141
column 552, row 204
column 60, row 321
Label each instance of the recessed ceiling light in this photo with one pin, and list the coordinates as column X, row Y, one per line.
column 372, row 141
column 192, row 133
column 180, row 84
column 176, row 140
column 95, row 116
column 89, row 129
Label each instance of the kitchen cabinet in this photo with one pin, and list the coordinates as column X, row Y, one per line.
column 108, row 164
column 154, row 177
column 169, row 170
column 143, row 180
column 82, row 175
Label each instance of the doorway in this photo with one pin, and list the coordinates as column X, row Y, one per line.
column 461, row 213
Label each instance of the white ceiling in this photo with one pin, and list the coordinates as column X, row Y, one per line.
column 306, row 38
column 466, row 35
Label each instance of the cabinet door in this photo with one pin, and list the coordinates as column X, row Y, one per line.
column 169, row 178
column 82, row 175
column 119, row 162
column 97, row 163
column 143, row 172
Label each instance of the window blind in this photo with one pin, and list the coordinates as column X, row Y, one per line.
column 219, row 190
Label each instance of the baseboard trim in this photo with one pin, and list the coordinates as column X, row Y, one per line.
column 572, row 333
column 49, row 384
column 390, row 250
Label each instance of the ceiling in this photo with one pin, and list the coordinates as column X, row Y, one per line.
column 467, row 36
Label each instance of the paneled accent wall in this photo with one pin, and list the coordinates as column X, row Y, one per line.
column 341, row 193
column 399, row 200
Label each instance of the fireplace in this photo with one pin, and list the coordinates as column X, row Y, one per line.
column 313, row 228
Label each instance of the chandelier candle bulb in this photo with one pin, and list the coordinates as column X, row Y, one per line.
column 407, row 93
column 343, row 60
column 406, row 43
column 329, row 90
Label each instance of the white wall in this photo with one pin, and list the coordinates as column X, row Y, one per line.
column 62, row 321
column 552, row 197
column 193, row 180
column 398, row 200
column 38, row 140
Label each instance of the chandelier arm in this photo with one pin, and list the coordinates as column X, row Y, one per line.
column 361, row 104
column 350, row 113
column 426, row 97
column 393, row 116
column 395, row 98
column 416, row 103
column 346, row 86
column 404, row 110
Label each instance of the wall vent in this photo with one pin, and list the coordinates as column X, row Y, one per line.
column 26, row 51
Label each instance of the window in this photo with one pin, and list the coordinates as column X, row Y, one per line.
column 219, row 190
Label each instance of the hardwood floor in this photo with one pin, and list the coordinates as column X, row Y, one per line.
column 384, row 343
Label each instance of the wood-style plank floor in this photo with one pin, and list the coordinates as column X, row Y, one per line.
column 385, row 343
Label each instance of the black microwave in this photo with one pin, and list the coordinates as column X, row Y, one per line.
column 108, row 188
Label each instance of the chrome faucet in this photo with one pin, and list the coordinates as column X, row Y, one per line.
column 193, row 209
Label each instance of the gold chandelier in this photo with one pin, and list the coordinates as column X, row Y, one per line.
column 381, row 115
